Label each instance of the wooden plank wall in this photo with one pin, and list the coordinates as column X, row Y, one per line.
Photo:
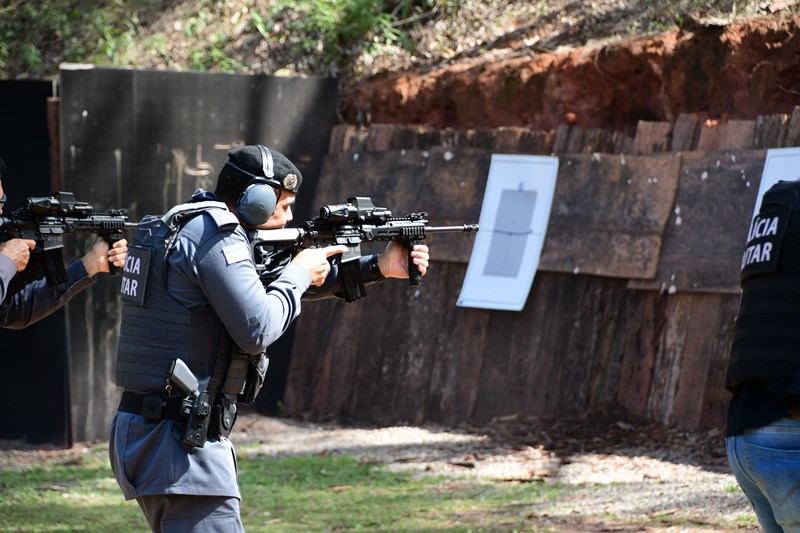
column 633, row 303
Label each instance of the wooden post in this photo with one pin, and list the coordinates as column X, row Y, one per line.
column 53, row 104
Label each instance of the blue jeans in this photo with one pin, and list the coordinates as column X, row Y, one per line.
column 766, row 463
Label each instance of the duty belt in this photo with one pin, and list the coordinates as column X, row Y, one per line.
column 152, row 406
column 217, row 422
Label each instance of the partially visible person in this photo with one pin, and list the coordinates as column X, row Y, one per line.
column 763, row 425
column 36, row 299
column 199, row 298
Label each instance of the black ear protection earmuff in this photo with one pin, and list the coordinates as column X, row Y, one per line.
column 259, row 199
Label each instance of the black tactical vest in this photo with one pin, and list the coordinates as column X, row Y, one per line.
column 766, row 343
column 155, row 327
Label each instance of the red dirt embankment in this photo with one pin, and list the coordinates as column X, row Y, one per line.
column 721, row 71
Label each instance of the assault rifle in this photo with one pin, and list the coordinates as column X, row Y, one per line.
column 47, row 219
column 351, row 224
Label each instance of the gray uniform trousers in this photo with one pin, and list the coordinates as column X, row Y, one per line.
column 180, row 513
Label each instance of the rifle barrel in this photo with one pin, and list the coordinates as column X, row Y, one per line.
column 465, row 228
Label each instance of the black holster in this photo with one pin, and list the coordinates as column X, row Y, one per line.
column 256, row 373
column 223, row 416
column 198, row 413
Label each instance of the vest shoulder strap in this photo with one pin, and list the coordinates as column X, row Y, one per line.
column 180, row 214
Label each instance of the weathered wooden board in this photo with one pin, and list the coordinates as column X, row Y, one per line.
column 792, row 137
column 685, row 132
column 580, row 342
column 639, row 349
column 674, row 357
column 609, row 214
column 689, row 132
column 770, row 130
column 523, row 141
column 400, row 354
column 731, row 135
column 703, row 333
column 652, row 137
column 572, row 139
column 704, row 240
column 389, row 137
column 344, row 137
column 555, row 352
column 461, row 339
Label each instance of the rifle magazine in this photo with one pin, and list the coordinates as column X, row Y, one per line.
column 350, row 281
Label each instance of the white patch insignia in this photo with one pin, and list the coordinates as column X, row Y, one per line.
column 236, row 253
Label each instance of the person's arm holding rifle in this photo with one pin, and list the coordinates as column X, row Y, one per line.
column 26, row 295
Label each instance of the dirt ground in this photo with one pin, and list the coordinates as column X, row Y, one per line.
column 629, row 476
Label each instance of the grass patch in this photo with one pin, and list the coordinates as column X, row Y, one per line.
column 297, row 494
column 79, row 495
column 310, row 494
column 745, row 521
column 347, row 495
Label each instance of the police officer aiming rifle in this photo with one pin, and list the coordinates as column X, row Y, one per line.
column 26, row 296
column 196, row 322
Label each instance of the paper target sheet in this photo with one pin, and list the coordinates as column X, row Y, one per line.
column 513, row 224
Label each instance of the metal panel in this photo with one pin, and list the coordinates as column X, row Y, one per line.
column 35, row 391
column 145, row 140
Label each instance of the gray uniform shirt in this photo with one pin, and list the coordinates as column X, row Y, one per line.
column 37, row 300
column 206, row 267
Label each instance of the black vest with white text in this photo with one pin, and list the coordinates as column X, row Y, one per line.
column 155, row 327
column 766, row 343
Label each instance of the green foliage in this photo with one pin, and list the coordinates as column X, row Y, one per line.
column 36, row 36
column 338, row 30
column 662, row 15
column 341, row 37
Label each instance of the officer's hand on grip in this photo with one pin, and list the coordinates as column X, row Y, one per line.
column 315, row 261
column 19, row 251
column 393, row 261
column 118, row 253
column 98, row 258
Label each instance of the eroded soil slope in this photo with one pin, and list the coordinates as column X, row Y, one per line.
column 723, row 71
